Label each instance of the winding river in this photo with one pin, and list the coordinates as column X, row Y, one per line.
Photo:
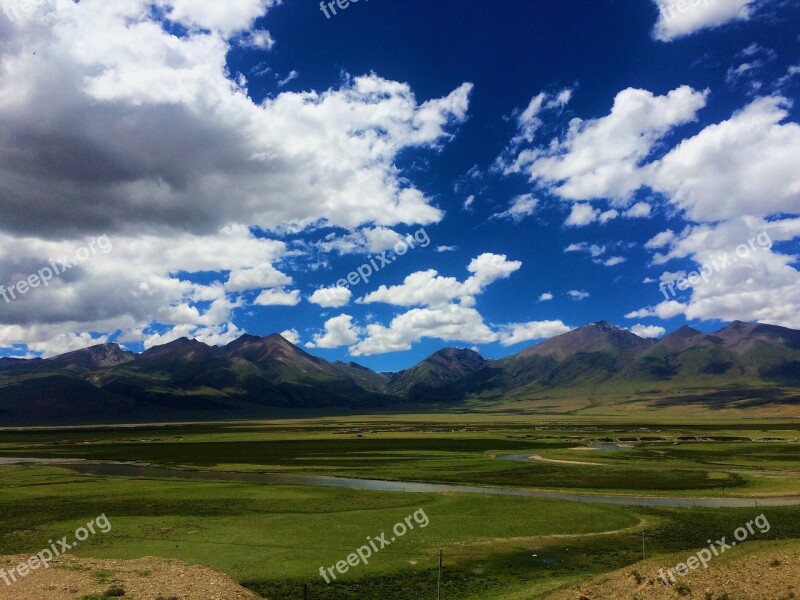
column 120, row 469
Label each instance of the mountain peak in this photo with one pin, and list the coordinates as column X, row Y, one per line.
column 94, row 357
column 456, row 354
column 686, row 331
column 440, row 368
column 271, row 350
column 595, row 337
column 680, row 339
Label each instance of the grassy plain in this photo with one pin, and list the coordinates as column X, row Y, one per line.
column 274, row 538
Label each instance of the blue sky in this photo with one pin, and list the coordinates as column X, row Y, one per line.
column 562, row 159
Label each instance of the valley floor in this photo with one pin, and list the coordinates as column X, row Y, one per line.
column 274, row 538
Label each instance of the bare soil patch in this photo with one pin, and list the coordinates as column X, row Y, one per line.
column 70, row 577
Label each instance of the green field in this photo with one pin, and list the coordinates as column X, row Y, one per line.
column 274, row 538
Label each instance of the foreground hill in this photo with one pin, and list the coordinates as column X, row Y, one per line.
column 144, row 578
column 595, row 369
column 759, row 571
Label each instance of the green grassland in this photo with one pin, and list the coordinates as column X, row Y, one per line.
column 685, row 460
column 274, row 538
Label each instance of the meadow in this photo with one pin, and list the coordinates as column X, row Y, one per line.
column 275, row 538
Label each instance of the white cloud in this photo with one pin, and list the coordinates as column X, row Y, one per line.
column 638, row 211
column 521, row 207
column 291, row 335
column 234, row 16
column 594, row 250
column 446, row 248
column 449, row 322
column 469, row 202
column 664, row 310
column 614, row 261
column 791, row 72
column 745, row 165
column 729, row 179
column 578, row 295
column 129, row 287
column 529, row 121
column 515, row 333
column 332, row 297
column 679, row 18
column 660, row 239
column 600, row 158
column 648, row 331
column 261, row 276
column 747, row 277
column 582, row 214
column 339, row 331
column 447, row 311
column 259, row 38
column 608, row 215
column 290, row 77
column 162, row 149
column 428, row 288
column 648, row 280
column 278, row 297
column 368, row 240
column 668, row 276
column 546, row 296
column 421, row 288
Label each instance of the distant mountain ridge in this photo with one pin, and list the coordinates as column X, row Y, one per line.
column 254, row 377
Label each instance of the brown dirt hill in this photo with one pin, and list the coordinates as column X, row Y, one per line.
column 72, row 578
column 758, row 571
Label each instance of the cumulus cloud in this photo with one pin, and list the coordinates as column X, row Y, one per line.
column 545, row 297
column 582, row 214
column 660, row 239
column 730, row 179
column 428, row 288
column 448, row 322
column 278, row 297
column 445, row 308
column 332, row 297
column 648, row 331
column 368, row 240
column 679, row 18
column 752, row 279
column 745, row 165
column 158, row 148
column 339, row 331
column 291, row 335
column 664, row 310
column 516, row 333
column 578, row 294
column 639, row 210
column 614, row 261
column 600, row 158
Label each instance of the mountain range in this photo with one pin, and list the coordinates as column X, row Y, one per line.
column 741, row 365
